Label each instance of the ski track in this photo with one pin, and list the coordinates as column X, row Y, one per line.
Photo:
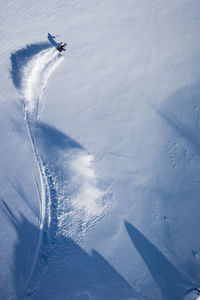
column 69, row 206
column 35, row 77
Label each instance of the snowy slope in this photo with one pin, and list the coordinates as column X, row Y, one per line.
column 100, row 165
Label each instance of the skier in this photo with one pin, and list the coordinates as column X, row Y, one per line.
column 198, row 291
column 62, row 47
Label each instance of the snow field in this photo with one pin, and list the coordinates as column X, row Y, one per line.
column 122, row 109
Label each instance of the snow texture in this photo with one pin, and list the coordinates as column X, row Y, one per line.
column 100, row 165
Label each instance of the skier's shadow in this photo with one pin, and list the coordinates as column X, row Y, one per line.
column 51, row 39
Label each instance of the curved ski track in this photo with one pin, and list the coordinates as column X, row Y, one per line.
column 35, row 77
column 74, row 214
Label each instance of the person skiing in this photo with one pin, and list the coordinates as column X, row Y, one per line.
column 62, row 47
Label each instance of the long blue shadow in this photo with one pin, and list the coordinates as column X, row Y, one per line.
column 24, row 248
column 20, row 57
column 18, row 187
column 175, row 113
column 68, row 272
column 171, row 283
column 54, row 147
column 53, row 139
column 51, row 39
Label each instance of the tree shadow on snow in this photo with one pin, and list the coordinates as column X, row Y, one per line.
column 20, row 57
column 23, row 195
column 55, row 148
column 27, row 235
column 176, row 111
column 180, row 114
column 180, row 189
column 69, row 272
column 171, row 283
column 53, row 139
column 49, row 265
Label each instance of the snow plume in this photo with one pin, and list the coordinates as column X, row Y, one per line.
column 84, row 178
column 36, row 75
column 82, row 199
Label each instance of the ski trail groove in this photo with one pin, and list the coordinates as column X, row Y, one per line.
column 71, row 197
column 36, row 75
column 43, row 196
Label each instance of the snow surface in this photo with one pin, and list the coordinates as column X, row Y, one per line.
column 100, row 165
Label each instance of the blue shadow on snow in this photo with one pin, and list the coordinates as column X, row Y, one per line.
column 51, row 39
column 172, row 284
column 71, row 273
column 20, row 57
column 52, row 138
column 176, row 110
column 59, row 268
